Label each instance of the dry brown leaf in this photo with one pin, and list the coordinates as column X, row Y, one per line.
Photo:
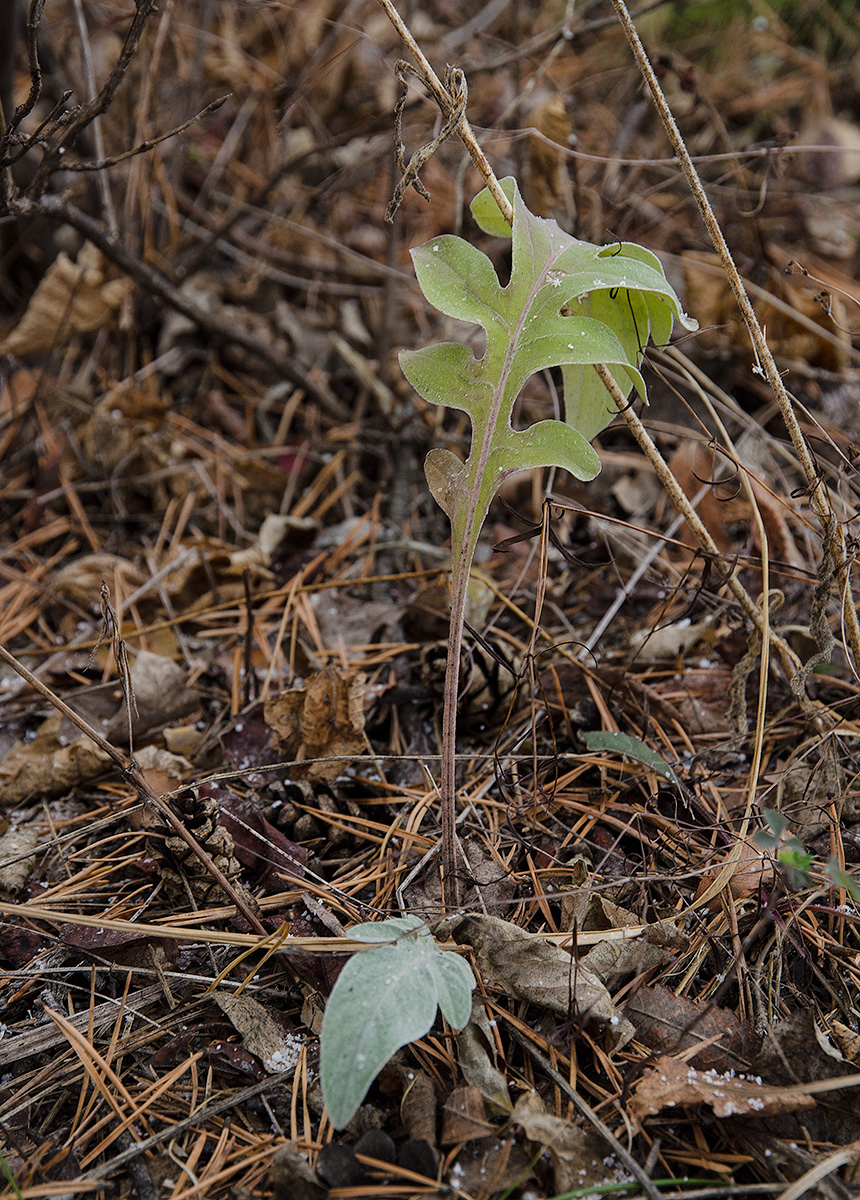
column 673, row 1084
column 291, row 1177
column 476, row 1052
column 464, row 1117
column 577, row 1154
column 81, row 579
column 724, row 506
column 161, row 694
column 588, row 911
column 73, row 297
column 532, row 969
column 753, row 870
column 548, row 184
column 840, row 166
column 491, row 1166
column 162, row 770
column 276, row 1048
column 17, row 846
column 666, row 1022
column 847, row 1040
column 324, row 719
column 48, row 766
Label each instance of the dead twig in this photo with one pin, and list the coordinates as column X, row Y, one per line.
column 819, row 497
column 153, row 281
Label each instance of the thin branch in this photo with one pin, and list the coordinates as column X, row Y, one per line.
column 150, row 143
column 157, row 284
column 34, row 19
column 818, row 493
column 87, row 113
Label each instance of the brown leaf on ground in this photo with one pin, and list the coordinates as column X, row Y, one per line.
column 73, row 297
column 162, row 770
column 577, row 1154
column 264, row 1035
column 324, row 719
column 673, row 1084
column 532, row 969
column 464, row 1117
column 549, row 190
column 669, row 1023
column 17, row 847
column 291, row 1177
column 752, row 871
column 81, row 579
column 477, row 1054
column 50, row 764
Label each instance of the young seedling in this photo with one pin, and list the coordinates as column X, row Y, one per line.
column 568, row 304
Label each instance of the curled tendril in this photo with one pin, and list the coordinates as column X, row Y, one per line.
column 458, row 91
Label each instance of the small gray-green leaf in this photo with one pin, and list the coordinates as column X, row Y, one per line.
column 454, row 984
column 386, row 931
column 384, row 998
column 621, row 743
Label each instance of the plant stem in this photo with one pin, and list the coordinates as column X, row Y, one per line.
column 819, row 496
column 448, row 780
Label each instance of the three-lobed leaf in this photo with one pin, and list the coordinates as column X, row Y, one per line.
column 384, row 998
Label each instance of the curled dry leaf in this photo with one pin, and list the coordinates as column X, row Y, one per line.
column 531, row 969
column 324, row 719
column 49, row 765
column 752, row 871
column 673, row 1084
column 577, row 1154
column 73, row 297
column 17, row 847
column 80, row 580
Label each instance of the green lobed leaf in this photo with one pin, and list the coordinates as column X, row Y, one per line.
column 568, row 304
column 384, row 998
